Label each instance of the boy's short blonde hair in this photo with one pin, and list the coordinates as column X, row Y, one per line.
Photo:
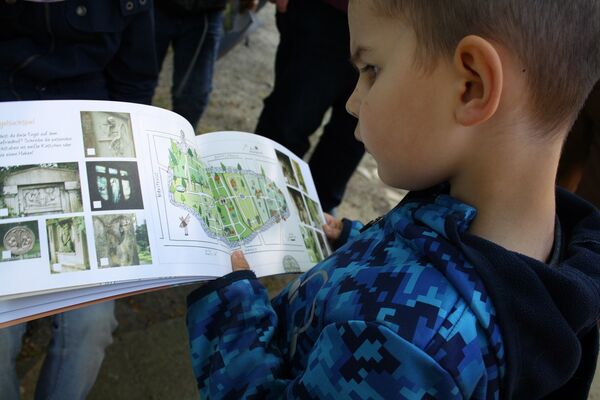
column 557, row 42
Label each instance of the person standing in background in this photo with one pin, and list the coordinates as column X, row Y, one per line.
column 579, row 169
column 313, row 75
column 65, row 49
column 194, row 29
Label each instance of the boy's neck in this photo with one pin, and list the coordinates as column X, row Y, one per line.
column 513, row 188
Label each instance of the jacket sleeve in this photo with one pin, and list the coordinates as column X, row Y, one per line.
column 133, row 72
column 233, row 337
column 350, row 229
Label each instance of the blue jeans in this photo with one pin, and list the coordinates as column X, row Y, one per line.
column 79, row 338
column 195, row 40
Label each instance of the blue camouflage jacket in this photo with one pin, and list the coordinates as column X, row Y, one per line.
column 395, row 312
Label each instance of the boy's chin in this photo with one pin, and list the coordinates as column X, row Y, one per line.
column 392, row 180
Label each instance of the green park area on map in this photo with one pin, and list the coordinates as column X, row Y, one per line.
column 231, row 203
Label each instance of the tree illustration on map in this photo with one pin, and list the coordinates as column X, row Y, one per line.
column 232, row 204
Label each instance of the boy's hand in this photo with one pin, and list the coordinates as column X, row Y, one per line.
column 333, row 228
column 238, row 261
column 281, row 5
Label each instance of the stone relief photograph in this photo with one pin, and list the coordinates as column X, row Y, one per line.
column 121, row 240
column 310, row 242
column 114, row 185
column 322, row 246
column 20, row 241
column 67, row 245
column 107, row 134
column 29, row 190
column 299, row 176
column 286, row 167
column 300, row 207
column 313, row 210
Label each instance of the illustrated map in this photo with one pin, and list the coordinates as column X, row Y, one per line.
column 233, row 204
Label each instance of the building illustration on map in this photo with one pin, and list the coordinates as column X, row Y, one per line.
column 232, row 204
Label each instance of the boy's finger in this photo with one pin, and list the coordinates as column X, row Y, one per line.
column 331, row 233
column 238, row 261
column 333, row 223
column 328, row 218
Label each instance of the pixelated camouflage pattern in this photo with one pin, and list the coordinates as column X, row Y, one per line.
column 395, row 313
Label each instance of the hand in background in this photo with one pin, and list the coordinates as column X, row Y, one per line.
column 333, row 228
column 238, row 261
column 281, row 5
column 247, row 5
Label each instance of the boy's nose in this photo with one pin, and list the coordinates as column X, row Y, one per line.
column 353, row 104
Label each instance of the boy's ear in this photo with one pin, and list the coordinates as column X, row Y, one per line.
column 480, row 70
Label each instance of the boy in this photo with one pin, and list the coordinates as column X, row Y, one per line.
column 485, row 285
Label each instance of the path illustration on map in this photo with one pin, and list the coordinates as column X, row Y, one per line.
column 232, row 204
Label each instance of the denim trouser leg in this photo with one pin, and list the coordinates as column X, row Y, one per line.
column 193, row 58
column 79, row 338
column 10, row 345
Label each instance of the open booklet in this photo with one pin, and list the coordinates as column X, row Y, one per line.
column 100, row 199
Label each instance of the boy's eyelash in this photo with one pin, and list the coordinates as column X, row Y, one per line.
column 369, row 68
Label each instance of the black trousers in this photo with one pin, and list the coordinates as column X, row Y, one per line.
column 312, row 75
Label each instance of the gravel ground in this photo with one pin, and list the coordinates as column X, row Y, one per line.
column 149, row 359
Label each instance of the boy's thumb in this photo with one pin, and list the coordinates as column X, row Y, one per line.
column 238, row 261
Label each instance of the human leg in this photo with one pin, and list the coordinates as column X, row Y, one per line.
column 10, row 345
column 313, row 40
column 589, row 186
column 79, row 338
column 335, row 158
column 313, row 74
column 579, row 169
column 195, row 53
column 165, row 29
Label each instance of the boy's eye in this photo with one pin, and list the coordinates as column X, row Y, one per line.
column 371, row 70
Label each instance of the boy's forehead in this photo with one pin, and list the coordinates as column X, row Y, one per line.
column 368, row 27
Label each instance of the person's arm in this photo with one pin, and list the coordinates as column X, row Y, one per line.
column 236, row 352
column 133, row 72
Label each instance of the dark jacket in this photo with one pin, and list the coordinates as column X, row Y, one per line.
column 548, row 315
column 84, row 49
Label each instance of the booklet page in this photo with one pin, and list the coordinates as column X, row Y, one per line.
column 76, row 196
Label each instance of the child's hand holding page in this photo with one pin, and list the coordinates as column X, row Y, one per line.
column 333, row 228
column 238, row 261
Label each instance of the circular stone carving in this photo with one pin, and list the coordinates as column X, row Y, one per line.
column 290, row 264
column 19, row 240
